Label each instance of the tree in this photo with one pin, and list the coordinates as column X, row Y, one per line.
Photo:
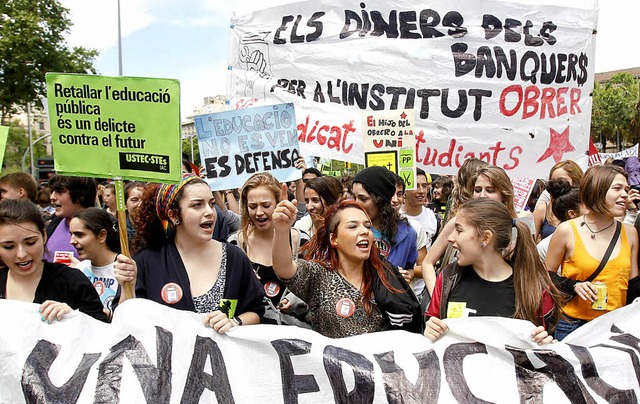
column 616, row 109
column 17, row 144
column 31, row 44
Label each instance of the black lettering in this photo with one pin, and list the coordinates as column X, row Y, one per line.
column 155, row 381
column 348, row 17
column 407, row 25
column 295, row 38
column 510, row 67
column 35, row 381
column 428, row 20
column 463, row 62
column 462, row 104
column 485, row 62
column 283, row 27
column 315, row 24
column 293, row 385
column 397, row 387
column 509, row 34
column 478, row 94
column 380, row 26
column 425, row 94
column 492, row 26
column 376, row 103
column 531, row 76
column 529, row 39
column 454, row 20
column 547, row 73
column 545, row 32
column 595, row 382
column 531, row 380
column 197, row 380
column 364, row 386
column 453, row 369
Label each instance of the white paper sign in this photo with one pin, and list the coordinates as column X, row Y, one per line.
column 504, row 82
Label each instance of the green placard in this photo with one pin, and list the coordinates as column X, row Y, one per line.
column 126, row 127
column 4, row 134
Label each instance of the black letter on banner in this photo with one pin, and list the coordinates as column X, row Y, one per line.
column 364, row 388
column 198, row 380
column 348, row 17
column 453, row 370
column 593, row 379
column 155, row 381
column 626, row 339
column 315, row 24
column 463, row 62
column 293, row 385
column 400, row 390
column 276, row 37
column 36, row 384
column 531, row 381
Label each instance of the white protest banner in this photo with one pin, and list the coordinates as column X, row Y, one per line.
column 237, row 144
column 389, row 141
column 522, row 187
column 631, row 151
column 157, row 354
column 504, row 82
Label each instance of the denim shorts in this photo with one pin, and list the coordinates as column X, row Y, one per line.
column 567, row 326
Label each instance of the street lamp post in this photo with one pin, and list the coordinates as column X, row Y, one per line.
column 33, row 166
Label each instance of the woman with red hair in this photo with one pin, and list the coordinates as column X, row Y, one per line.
column 349, row 288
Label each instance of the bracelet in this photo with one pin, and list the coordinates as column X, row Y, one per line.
column 238, row 320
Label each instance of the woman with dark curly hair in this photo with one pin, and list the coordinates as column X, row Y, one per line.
column 350, row 290
column 181, row 266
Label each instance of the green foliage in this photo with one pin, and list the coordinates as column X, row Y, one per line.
column 615, row 108
column 17, row 144
column 186, row 148
column 32, row 44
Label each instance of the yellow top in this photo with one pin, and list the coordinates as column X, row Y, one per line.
column 615, row 275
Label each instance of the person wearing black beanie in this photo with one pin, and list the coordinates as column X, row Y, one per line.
column 374, row 188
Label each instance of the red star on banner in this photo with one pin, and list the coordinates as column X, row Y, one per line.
column 403, row 116
column 558, row 145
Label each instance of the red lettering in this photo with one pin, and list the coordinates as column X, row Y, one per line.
column 546, row 102
column 503, row 96
column 419, row 141
column 574, row 97
column 562, row 109
column 530, row 105
column 321, row 138
column 348, row 128
column 378, row 144
column 515, row 160
column 496, row 150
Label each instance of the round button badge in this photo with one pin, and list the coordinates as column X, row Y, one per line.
column 345, row 307
column 171, row 293
column 271, row 289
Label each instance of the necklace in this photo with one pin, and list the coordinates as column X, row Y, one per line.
column 593, row 233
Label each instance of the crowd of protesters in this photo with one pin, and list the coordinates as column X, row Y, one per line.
column 340, row 256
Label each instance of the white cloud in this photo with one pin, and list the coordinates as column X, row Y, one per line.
column 95, row 23
column 199, row 82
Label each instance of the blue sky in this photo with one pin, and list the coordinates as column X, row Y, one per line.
column 188, row 39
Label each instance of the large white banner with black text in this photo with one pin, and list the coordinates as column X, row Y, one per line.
column 501, row 81
column 161, row 355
